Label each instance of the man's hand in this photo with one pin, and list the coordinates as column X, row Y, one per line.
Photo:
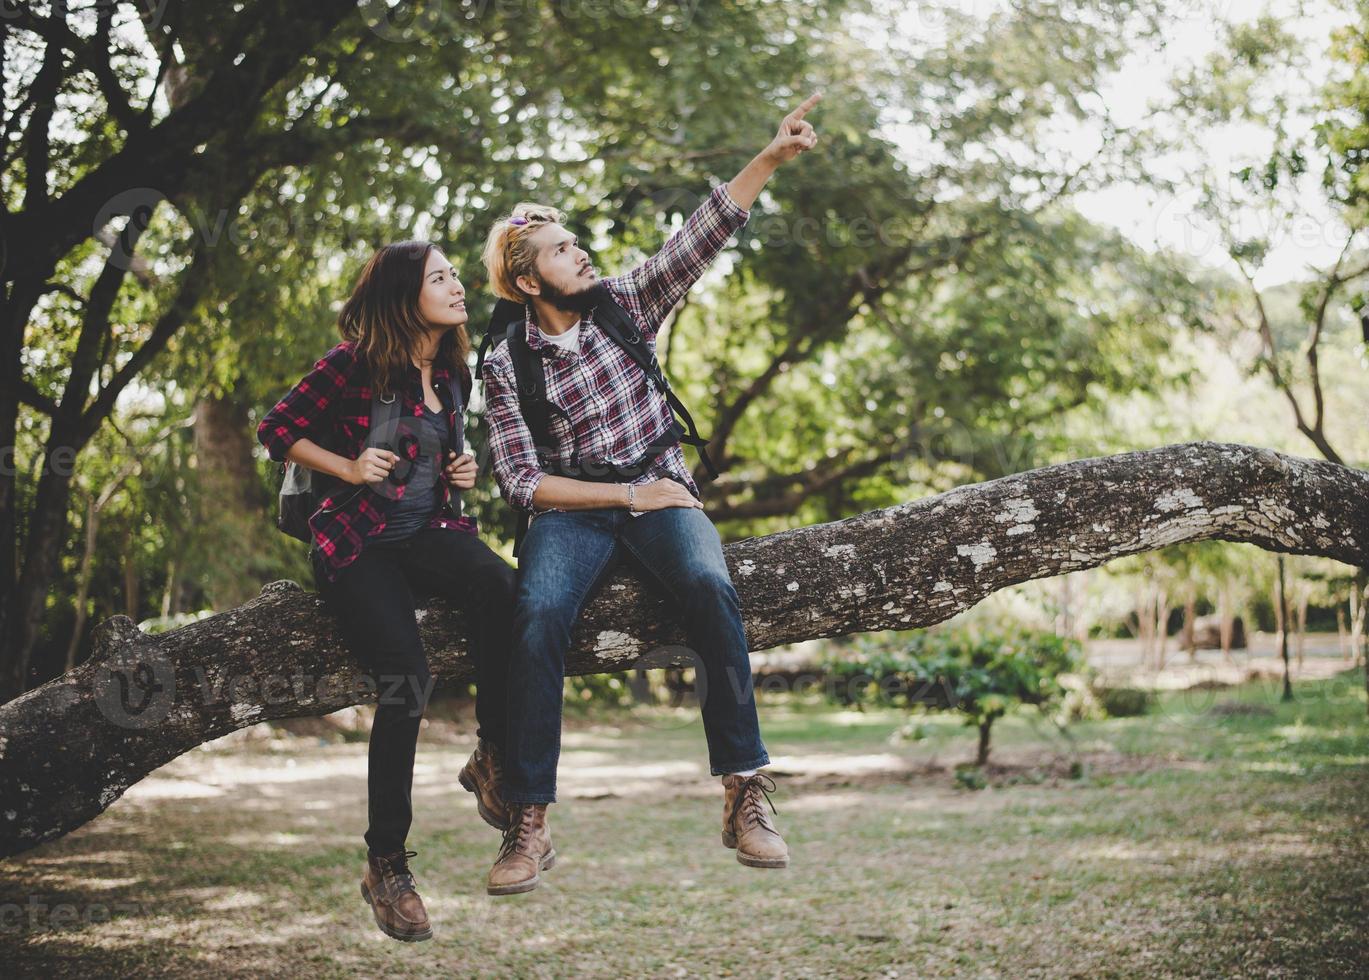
column 662, row 493
column 460, row 471
column 796, row 134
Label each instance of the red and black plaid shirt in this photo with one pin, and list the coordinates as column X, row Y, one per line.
column 331, row 405
column 614, row 413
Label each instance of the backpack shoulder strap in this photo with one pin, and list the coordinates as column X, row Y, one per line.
column 458, row 434
column 530, row 377
column 505, row 312
column 384, row 416
column 619, row 326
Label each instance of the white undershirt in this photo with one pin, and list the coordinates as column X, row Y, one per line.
column 570, row 340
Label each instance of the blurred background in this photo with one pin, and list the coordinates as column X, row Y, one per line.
column 1032, row 232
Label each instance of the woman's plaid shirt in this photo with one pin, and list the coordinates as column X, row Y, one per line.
column 331, row 405
column 615, row 414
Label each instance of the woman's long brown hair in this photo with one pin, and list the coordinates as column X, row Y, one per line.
column 382, row 317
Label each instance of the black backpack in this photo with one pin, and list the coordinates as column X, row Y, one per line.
column 301, row 488
column 507, row 324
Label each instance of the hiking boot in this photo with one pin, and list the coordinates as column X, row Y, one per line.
column 526, row 851
column 388, row 887
column 483, row 776
column 746, row 825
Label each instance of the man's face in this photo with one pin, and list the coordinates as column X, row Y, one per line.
column 563, row 268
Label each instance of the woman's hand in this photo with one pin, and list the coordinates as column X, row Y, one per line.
column 371, row 466
column 460, row 471
column 662, row 493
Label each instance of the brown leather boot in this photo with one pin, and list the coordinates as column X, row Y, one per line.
column 526, row 851
column 388, row 887
column 746, row 825
column 483, row 776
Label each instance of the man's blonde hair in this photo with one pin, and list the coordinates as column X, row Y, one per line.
column 509, row 251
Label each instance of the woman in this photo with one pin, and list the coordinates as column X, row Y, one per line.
column 388, row 531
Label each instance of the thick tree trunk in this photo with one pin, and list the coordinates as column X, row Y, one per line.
column 71, row 747
column 47, row 532
column 19, row 300
column 232, row 492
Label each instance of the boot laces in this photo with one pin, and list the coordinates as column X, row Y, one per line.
column 395, row 868
column 748, row 800
column 518, row 836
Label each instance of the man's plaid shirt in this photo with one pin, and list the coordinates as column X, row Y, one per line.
column 331, row 405
column 615, row 414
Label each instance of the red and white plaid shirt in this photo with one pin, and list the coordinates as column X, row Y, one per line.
column 332, row 405
column 614, row 413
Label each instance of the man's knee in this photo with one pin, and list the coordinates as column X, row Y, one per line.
column 542, row 617
column 707, row 584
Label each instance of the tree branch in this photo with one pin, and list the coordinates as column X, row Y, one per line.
column 74, row 745
column 95, row 323
column 766, row 501
column 192, row 287
column 230, row 95
column 34, row 398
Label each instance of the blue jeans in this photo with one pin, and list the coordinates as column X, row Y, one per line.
column 565, row 557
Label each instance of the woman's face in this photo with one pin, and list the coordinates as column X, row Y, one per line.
column 442, row 298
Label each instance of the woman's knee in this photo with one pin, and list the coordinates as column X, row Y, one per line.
column 501, row 586
column 401, row 683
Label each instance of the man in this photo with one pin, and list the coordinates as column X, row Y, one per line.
column 609, row 416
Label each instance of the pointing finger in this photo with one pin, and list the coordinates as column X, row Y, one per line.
column 806, row 106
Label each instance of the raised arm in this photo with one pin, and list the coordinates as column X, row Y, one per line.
column 660, row 282
column 794, row 137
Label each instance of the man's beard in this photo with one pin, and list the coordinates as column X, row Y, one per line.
column 580, row 302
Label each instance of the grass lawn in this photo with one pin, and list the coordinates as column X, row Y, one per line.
column 1222, row 835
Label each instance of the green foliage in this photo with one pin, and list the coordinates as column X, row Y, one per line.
column 971, row 777
column 586, row 692
column 982, row 671
column 1125, row 702
column 894, row 322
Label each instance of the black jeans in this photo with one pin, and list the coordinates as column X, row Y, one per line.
column 374, row 600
